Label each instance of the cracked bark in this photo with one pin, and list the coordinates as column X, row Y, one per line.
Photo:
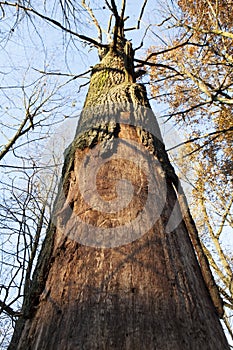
column 147, row 294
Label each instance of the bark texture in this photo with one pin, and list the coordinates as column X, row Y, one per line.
column 147, row 293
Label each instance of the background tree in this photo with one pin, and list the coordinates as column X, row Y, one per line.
column 193, row 73
column 33, row 104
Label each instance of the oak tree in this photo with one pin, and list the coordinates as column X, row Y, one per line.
column 121, row 265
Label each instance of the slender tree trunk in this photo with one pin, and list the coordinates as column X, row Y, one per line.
column 111, row 274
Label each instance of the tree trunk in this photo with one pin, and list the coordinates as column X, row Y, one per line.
column 114, row 271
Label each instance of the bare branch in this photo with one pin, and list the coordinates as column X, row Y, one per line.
column 141, row 14
column 217, row 132
column 109, row 6
column 214, row 13
column 118, row 25
column 109, row 24
column 224, row 217
column 217, row 245
column 94, row 19
column 17, row 135
column 214, row 265
column 227, row 322
column 139, row 18
column 9, row 309
column 114, row 10
column 151, row 64
column 202, row 146
column 174, row 48
column 230, row 306
column 54, row 22
column 73, row 76
column 142, row 41
column 209, row 31
column 123, row 11
column 225, row 295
